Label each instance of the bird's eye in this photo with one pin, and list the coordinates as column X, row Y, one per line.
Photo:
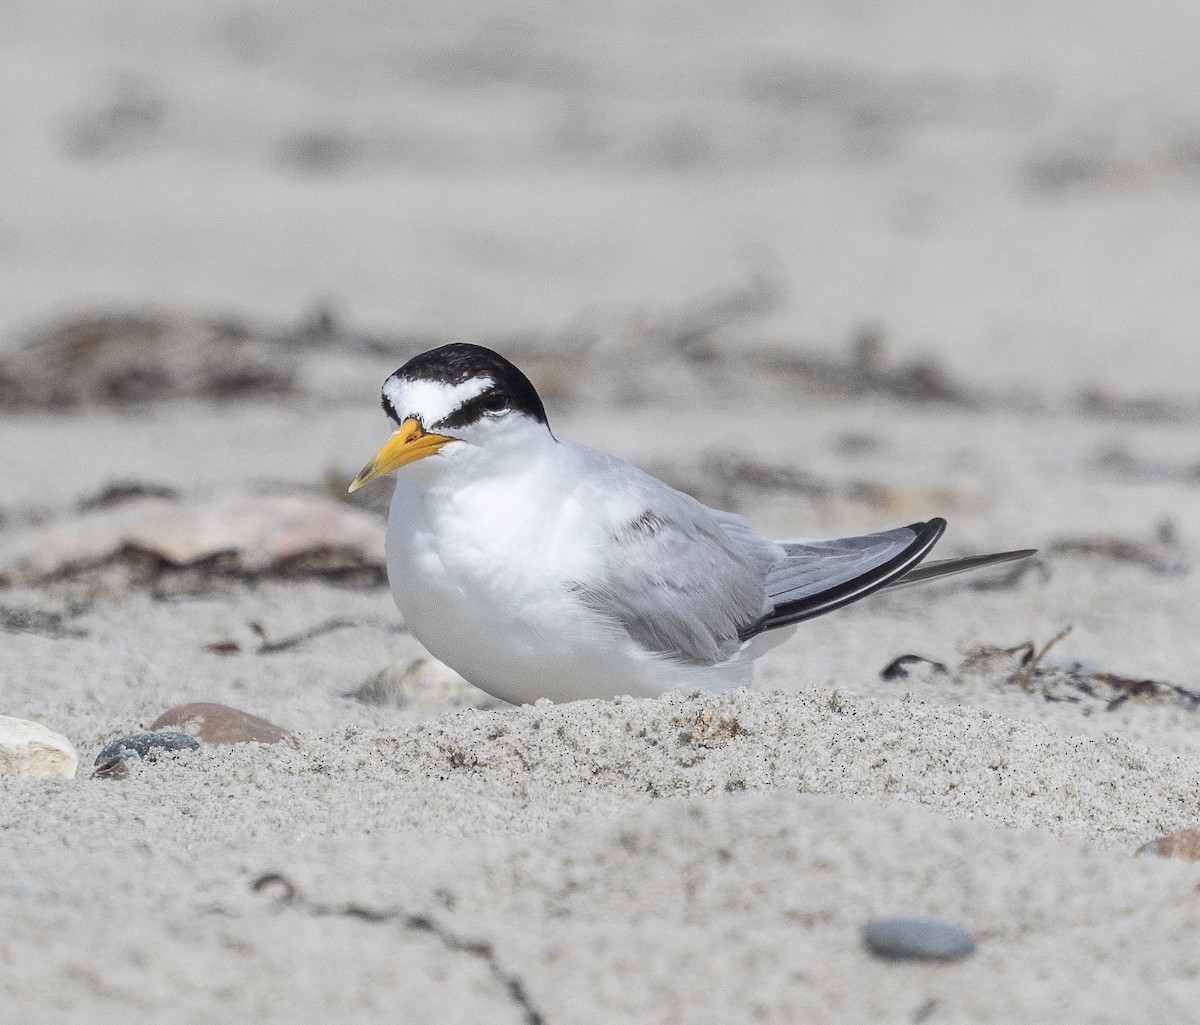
column 495, row 403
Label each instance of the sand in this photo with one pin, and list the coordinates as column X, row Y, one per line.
column 836, row 268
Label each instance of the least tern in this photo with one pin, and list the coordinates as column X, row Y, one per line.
column 539, row 568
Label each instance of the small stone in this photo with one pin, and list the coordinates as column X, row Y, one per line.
column 30, row 749
column 139, row 745
column 220, row 724
column 114, row 768
column 422, row 685
column 919, row 939
column 1184, row 845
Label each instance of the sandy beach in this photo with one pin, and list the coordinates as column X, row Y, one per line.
column 836, row 268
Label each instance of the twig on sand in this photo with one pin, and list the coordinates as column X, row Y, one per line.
column 289, row 895
column 272, row 647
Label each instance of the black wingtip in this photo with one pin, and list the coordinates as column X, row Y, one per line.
column 927, row 534
column 932, row 528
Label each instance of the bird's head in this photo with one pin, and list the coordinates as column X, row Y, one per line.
column 455, row 397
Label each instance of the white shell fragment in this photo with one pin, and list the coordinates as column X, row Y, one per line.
column 29, row 749
column 424, row 685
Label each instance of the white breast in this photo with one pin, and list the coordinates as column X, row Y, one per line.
column 482, row 572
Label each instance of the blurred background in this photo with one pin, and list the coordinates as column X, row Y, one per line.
column 1008, row 186
column 835, row 265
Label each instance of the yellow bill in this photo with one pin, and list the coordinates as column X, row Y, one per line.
column 408, row 443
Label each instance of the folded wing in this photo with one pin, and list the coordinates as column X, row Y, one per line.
column 815, row 577
column 682, row 580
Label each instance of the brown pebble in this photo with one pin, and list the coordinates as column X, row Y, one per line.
column 114, row 768
column 219, row 724
column 1184, row 845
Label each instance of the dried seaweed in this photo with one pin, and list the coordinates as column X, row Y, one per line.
column 179, row 549
column 1144, row 409
column 900, row 668
column 1162, row 556
column 863, row 371
column 122, row 358
column 1070, row 682
column 120, row 492
column 134, row 357
column 727, row 481
column 38, row 621
column 1032, row 658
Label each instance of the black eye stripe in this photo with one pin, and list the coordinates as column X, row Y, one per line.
column 474, row 410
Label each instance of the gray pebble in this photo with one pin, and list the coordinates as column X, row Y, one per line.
column 140, row 745
column 921, row 939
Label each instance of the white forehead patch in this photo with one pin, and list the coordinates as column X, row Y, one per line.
column 431, row 401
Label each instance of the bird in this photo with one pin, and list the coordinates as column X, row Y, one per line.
column 536, row 567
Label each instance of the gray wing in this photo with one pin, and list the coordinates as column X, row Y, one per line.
column 681, row 579
column 693, row 584
column 816, row 577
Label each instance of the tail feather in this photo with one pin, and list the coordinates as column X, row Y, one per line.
column 948, row 567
